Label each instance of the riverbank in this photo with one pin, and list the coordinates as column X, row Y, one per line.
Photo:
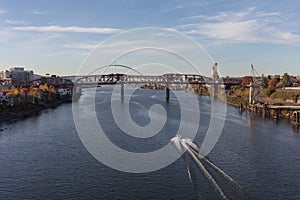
column 276, row 111
column 15, row 114
column 24, row 108
column 239, row 99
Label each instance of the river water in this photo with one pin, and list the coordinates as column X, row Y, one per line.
column 42, row 157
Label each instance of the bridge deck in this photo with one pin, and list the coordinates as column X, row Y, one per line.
column 110, row 79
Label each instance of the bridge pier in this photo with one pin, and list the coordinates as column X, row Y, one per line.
column 186, row 83
column 296, row 117
column 76, row 89
column 122, row 91
column 251, row 93
column 167, row 93
column 264, row 111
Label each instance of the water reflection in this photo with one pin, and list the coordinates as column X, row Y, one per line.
column 253, row 118
column 295, row 128
column 43, row 158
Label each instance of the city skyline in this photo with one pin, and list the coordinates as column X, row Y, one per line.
column 55, row 37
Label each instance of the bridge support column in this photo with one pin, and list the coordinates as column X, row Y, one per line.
column 167, row 93
column 251, row 93
column 296, row 117
column 264, row 111
column 186, row 86
column 122, row 91
column 76, row 92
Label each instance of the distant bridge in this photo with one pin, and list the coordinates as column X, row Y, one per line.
column 166, row 79
column 123, row 79
column 111, row 79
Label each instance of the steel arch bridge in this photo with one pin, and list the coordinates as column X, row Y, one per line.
column 121, row 78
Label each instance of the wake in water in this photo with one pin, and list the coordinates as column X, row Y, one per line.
column 224, row 186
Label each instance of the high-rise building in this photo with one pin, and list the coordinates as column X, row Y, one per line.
column 18, row 74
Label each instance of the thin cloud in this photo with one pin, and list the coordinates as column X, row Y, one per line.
column 13, row 22
column 80, row 46
column 74, row 29
column 194, row 17
column 39, row 12
column 6, row 35
column 174, row 8
column 247, row 31
column 245, row 26
column 264, row 14
column 2, row 11
column 222, row 16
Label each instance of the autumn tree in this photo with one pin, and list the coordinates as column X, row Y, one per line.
column 271, row 87
column 51, row 89
column 279, row 85
column 265, row 81
column 34, row 93
column 43, row 87
column 286, row 80
column 246, row 80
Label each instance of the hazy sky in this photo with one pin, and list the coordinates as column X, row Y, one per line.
column 56, row 36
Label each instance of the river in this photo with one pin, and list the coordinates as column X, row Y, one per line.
column 42, row 157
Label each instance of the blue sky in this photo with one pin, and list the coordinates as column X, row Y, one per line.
column 56, row 36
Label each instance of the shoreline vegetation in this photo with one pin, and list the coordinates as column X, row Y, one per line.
column 237, row 96
column 19, row 103
column 16, row 114
column 26, row 110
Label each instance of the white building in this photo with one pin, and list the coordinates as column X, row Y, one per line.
column 5, row 75
column 18, row 74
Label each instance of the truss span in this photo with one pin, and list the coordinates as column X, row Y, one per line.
column 111, row 79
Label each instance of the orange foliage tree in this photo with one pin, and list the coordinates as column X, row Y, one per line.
column 272, row 85
column 246, row 80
